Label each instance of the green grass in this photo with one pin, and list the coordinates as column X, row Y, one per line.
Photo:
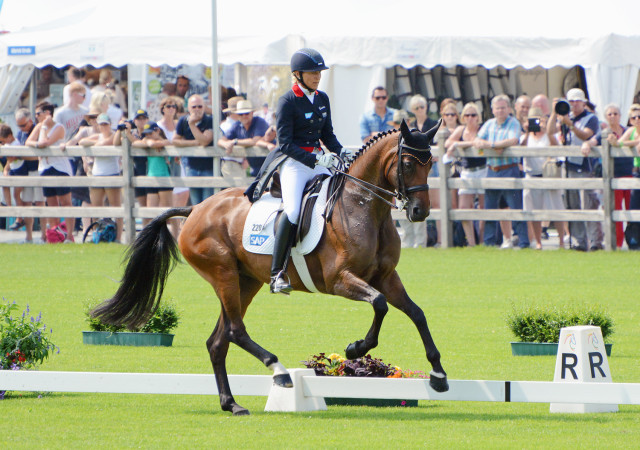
column 465, row 293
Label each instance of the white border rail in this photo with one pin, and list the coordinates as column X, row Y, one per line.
column 341, row 387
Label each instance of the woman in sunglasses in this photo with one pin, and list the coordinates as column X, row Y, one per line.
column 623, row 167
column 472, row 167
column 180, row 197
column 48, row 133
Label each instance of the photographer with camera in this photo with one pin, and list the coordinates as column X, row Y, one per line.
column 537, row 136
column 132, row 130
column 577, row 126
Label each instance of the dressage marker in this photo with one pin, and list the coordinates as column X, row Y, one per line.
column 309, row 390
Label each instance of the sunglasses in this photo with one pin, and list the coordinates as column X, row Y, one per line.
column 450, row 114
column 470, row 115
column 381, row 97
column 171, row 106
column 197, row 106
column 635, row 117
column 38, row 113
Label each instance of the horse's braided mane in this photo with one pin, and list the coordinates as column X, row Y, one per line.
column 338, row 181
column 350, row 159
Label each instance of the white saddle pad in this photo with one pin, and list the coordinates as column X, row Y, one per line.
column 258, row 236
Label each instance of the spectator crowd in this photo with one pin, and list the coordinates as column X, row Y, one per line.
column 98, row 116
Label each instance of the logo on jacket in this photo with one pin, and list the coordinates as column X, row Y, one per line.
column 308, row 115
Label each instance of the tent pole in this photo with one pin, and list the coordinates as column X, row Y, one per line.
column 215, row 83
column 32, row 93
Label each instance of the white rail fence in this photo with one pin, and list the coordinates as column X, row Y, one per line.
column 314, row 386
column 129, row 211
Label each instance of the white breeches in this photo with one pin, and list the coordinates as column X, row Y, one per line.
column 293, row 176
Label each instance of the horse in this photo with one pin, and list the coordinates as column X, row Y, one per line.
column 356, row 257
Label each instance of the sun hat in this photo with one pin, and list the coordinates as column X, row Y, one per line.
column 244, row 107
column 231, row 104
column 576, row 94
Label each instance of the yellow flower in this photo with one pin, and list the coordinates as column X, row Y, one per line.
column 334, row 356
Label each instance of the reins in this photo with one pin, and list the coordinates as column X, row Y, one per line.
column 366, row 186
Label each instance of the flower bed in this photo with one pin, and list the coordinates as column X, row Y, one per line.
column 367, row 366
column 24, row 341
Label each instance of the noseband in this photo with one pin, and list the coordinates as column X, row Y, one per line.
column 423, row 157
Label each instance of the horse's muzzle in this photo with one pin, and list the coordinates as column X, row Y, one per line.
column 416, row 213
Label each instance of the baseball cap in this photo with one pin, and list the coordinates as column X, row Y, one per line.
column 150, row 128
column 141, row 113
column 103, row 118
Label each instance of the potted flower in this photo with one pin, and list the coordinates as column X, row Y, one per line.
column 154, row 333
column 367, row 366
column 24, row 340
column 538, row 329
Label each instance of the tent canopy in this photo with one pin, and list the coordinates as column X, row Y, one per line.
column 357, row 32
column 370, row 34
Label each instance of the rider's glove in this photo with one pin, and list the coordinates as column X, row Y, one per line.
column 326, row 160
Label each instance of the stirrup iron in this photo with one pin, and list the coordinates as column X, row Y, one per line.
column 279, row 285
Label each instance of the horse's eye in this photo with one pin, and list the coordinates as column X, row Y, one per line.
column 407, row 165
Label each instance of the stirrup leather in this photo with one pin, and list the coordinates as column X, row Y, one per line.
column 279, row 284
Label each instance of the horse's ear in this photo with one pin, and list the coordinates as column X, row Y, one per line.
column 404, row 129
column 432, row 132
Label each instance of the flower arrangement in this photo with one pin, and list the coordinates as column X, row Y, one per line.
column 164, row 320
column 24, row 341
column 367, row 366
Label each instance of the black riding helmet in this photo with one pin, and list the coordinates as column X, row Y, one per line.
column 307, row 60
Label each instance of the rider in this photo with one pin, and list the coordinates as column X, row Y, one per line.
column 303, row 118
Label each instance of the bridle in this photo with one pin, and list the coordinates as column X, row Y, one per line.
column 422, row 156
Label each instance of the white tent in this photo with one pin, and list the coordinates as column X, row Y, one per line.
column 359, row 38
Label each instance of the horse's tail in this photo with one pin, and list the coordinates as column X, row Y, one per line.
column 151, row 258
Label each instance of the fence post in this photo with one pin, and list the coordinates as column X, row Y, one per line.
column 128, row 201
column 446, row 229
column 608, row 203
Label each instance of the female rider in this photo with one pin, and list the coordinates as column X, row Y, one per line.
column 303, row 118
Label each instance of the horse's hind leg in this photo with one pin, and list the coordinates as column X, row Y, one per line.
column 230, row 328
column 218, row 346
column 398, row 297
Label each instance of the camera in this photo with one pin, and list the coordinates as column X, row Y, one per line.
column 562, row 107
column 123, row 126
column 534, row 124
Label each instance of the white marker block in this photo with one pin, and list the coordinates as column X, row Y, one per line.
column 582, row 359
column 293, row 399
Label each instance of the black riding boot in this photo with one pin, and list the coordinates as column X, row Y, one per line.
column 285, row 235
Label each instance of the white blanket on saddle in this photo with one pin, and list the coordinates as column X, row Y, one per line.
column 258, row 236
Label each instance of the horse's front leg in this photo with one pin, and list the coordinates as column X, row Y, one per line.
column 354, row 288
column 396, row 294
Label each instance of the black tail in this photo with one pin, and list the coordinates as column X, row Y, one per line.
column 151, row 257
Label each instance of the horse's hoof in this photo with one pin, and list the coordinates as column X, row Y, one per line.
column 283, row 380
column 438, row 384
column 351, row 352
column 240, row 411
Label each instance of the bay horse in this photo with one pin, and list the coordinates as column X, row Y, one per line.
column 356, row 257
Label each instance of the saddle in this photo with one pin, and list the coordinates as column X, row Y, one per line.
column 309, row 196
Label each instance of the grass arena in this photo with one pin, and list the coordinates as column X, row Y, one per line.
column 465, row 293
